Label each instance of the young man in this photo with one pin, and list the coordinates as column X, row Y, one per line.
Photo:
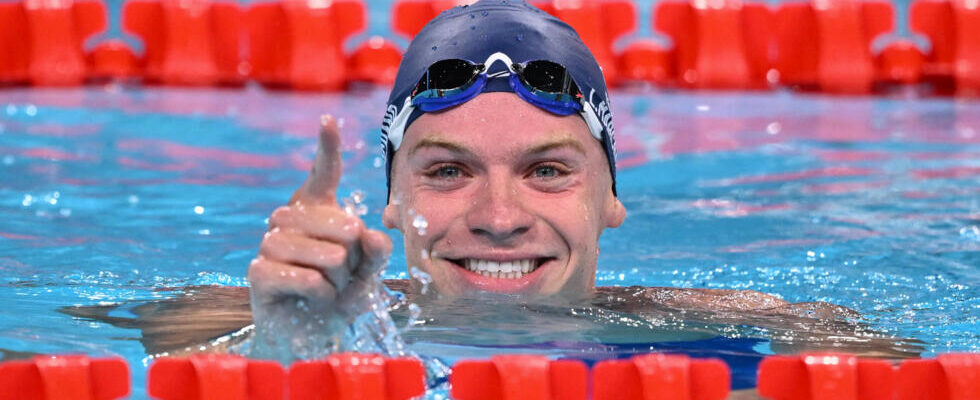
column 501, row 176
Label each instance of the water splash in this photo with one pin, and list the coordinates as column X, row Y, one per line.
column 422, row 278
column 414, row 312
column 970, row 232
column 354, row 204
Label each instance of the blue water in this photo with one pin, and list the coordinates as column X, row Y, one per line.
column 109, row 194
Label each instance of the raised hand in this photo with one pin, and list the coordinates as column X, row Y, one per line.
column 317, row 263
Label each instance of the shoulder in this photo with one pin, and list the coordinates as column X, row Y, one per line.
column 695, row 299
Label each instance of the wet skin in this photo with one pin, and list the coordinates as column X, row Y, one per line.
column 498, row 179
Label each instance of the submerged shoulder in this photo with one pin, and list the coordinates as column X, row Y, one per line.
column 697, row 299
column 723, row 300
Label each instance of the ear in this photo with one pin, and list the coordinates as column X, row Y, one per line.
column 391, row 217
column 615, row 212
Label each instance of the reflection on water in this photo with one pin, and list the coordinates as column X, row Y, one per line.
column 619, row 322
column 869, row 203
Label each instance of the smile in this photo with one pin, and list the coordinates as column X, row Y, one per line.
column 514, row 269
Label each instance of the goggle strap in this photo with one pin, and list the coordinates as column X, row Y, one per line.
column 396, row 131
column 592, row 120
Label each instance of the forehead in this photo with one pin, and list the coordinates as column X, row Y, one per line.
column 498, row 123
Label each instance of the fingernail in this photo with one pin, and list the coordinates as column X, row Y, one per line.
column 324, row 119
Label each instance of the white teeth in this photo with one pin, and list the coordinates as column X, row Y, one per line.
column 493, row 266
column 505, row 270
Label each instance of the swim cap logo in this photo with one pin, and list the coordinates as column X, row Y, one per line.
column 605, row 117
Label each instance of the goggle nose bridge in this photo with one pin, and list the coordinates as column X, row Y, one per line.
column 495, row 57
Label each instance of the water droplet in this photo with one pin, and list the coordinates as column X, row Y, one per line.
column 472, row 27
column 414, row 312
column 484, row 13
column 354, row 204
column 423, row 278
column 133, row 199
column 198, row 210
column 774, row 128
column 420, row 224
column 454, row 43
column 472, row 16
column 970, row 232
column 30, row 110
column 378, row 162
column 434, row 48
column 11, row 109
column 520, row 37
column 8, row 160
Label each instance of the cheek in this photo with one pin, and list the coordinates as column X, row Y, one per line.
column 575, row 216
column 427, row 219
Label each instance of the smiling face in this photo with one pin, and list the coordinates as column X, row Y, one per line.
column 514, row 199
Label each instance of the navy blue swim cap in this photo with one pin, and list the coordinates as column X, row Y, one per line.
column 519, row 31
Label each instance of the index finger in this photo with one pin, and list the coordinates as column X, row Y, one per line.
column 321, row 185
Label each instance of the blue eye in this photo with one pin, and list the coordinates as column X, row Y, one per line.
column 546, row 171
column 448, row 172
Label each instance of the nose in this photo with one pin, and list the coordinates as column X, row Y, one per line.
column 498, row 212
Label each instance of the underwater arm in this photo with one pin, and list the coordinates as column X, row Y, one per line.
column 789, row 327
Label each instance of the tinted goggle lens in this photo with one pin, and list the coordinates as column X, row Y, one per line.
column 448, row 74
column 547, row 76
column 542, row 75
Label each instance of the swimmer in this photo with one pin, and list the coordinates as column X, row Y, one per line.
column 501, row 177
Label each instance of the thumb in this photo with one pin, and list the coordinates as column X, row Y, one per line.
column 321, row 185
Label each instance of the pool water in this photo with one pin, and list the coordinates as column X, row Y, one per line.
column 112, row 194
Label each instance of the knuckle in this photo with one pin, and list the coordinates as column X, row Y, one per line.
column 280, row 216
column 312, row 280
column 334, row 256
column 356, row 225
column 340, row 256
column 257, row 270
column 271, row 243
column 350, row 229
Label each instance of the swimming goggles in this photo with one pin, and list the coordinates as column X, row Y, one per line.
column 452, row 82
